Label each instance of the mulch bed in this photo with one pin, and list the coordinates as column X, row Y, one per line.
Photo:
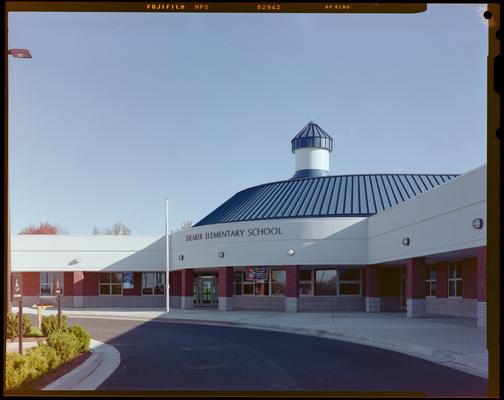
column 40, row 383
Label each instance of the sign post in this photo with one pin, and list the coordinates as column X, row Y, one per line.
column 57, row 290
column 17, row 294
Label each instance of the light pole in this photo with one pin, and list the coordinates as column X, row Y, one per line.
column 17, row 53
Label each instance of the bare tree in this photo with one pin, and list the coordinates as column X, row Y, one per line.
column 185, row 225
column 117, row 228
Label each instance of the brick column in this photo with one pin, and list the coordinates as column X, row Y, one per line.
column 187, row 299
column 373, row 300
column 226, row 288
column 442, row 280
column 415, row 287
column 175, row 282
column 292, row 289
column 482, row 286
column 78, row 289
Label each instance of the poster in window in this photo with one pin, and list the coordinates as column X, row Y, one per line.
column 250, row 275
column 128, row 280
column 261, row 274
column 258, row 274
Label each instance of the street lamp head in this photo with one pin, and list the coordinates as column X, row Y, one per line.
column 20, row 53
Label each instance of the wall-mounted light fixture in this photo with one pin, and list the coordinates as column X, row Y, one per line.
column 181, row 257
column 477, row 223
column 290, row 252
column 74, row 261
column 406, row 241
column 221, row 254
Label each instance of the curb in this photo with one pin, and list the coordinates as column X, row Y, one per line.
column 92, row 372
column 446, row 358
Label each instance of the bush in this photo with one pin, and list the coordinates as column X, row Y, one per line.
column 65, row 343
column 82, row 335
column 15, row 370
column 50, row 324
column 50, row 354
column 21, row 369
column 13, row 327
column 35, row 332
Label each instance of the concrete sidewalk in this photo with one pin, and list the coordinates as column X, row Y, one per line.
column 450, row 341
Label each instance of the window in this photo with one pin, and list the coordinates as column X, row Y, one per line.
column 111, row 283
column 325, row 282
column 46, row 282
column 238, row 282
column 349, row 282
column 305, row 283
column 153, row 283
column 278, row 280
column 430, row 281
column 455, row 280
column 273, row 285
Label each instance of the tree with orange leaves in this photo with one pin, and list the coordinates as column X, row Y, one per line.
column 45, row 228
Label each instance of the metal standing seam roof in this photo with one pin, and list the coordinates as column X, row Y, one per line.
column 312, row 135
column 325, row 196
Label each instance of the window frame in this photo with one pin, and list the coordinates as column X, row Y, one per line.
column 269, row 282
column 110, row 284
column 429, row 280
column 455, row 265
column 153, row 294
column 349, row 281
column 50, row 283
column 312, row 289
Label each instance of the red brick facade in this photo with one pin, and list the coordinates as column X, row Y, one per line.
column 482, row 273
column 175, row 279
column 187, row 282
column 292, row 281
column 373, row 281
column 415, row 278
column 469, row 279
column 226, row 282
column 91, row 283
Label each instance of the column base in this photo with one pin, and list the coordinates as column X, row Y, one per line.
column 415, row 308
column 373, row 304
column 78, row 301
column 186, row 302
column 175, row 301
column 226, row 303
column 291, row 304
column 482, row 314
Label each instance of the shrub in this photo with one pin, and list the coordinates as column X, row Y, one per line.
column 50, row 324
column 15, row 370
column 13, row 327
column 82, row 335
column 21, row 369
column 50, row 354
column 65, row 343
column 35, row 332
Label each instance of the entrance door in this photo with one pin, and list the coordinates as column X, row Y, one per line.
column 403, row 289
column 205, row 290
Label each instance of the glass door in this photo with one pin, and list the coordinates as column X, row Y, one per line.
column 206, row 290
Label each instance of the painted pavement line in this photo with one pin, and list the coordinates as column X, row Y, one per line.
column 93, row 372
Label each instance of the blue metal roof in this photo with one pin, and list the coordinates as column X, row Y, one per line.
column 326, row 196
column 312, row 135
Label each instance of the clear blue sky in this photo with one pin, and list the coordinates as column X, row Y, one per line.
column 115, row 111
